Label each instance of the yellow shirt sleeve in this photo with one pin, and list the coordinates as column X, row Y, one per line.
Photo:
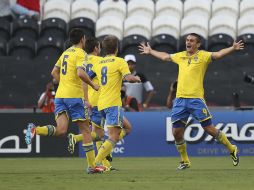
column 58, row 63
column 207, row 56
column 175, row 58
column 81, row 60
column 124, row 69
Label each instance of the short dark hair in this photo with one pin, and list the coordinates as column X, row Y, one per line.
column 76, row 34
column 91, row 43
column 196, row 35
column 110, row 44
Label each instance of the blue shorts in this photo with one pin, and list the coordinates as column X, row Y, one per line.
column 74, row 107
column 97, row 118
column 184, row 107
column 113, row 115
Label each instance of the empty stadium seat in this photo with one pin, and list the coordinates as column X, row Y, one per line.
column 225, row 7
column 166, row 25
column 130, row 44
column 87, row 9
column 86, row 24
column 194, row 24
column 5, row 31
column 113, row 8
column 49, row 47
column 171, row 8
column 57, row 9
column 3, row 46
column 25, row 27
column 246, row 25
column 222, row 25
column 54, row 27
column 143, row 8
column 246, row 8
column 219, row 41
column 164, row 43
column 22, row 47
column 109, row 25
column 200, row 8
column 248, row 40
column 137, row 25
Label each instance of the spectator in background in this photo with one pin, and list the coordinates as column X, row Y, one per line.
column 30, row 8
column 136, row 89
column 46, row 100
column 171, row 94
column 129, row 103
column 5, row 10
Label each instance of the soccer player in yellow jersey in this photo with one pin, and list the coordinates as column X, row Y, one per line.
column 189, row 100
column 70, row 72
column 111, row 71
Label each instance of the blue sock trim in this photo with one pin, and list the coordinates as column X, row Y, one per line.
column 206, row 123
column 51, row 130
column 112, row 142
column 88, row 148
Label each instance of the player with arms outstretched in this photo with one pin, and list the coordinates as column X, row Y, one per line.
column 189, row 100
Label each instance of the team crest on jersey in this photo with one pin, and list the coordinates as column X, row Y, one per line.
column 195, row 58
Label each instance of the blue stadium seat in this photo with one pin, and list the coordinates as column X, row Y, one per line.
column 5, row 31
column 25, row 27
column 130, row 44
column 22, row 47
column 50, row 47
column 84, row 23
column 219, row 41
column 164, row 42
column 53, row 27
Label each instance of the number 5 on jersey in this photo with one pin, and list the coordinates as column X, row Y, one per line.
column 104, row 78
column 64, row 65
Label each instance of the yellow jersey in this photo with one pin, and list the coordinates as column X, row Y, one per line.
column 93, row 95
column 70, row 85
column 191, row 73
column 110, row 72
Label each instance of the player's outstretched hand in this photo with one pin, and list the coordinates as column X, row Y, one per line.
column 238, row 45
column 144, row 49
column 138, row 79
column 96, row 87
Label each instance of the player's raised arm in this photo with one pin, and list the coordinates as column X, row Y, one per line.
column 85, row 78
column 235, row 47
column 146, row 49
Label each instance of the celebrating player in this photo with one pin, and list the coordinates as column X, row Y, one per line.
column 189, row 100
column 70, row 72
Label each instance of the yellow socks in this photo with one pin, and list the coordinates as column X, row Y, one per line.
column 47, row 130
column 90, row 154
column 224, row 140
column 181, row 148
column 122, row 134
column 105, row 149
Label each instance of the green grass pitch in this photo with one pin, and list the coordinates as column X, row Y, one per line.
column 206, row 173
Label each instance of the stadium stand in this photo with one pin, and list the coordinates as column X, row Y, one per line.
column 86, row 24
column 159, row 22
column 143, row 8
column 54, row 27
column 25, row 27
column 109, row 25
column 172, row 8
column 22, row 48
column 88, row 9
column 57, row 9
column 112, row 8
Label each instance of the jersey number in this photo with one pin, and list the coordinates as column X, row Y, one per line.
column 64, row 65
column 104, row 78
